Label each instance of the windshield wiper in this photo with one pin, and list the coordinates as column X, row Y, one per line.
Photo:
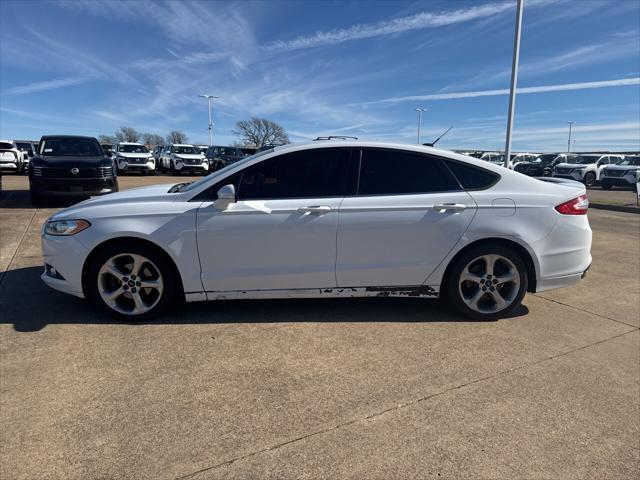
column 178, row 187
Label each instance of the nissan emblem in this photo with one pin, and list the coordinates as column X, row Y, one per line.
column 74, row 170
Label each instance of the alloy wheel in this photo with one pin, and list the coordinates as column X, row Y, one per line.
column 130, row 283
column 489, row 283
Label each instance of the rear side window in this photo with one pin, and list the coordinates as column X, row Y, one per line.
column 305, row 174
column 394, row 172
column 472, row 177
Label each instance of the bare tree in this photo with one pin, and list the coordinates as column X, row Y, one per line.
column 177, row 136
column 107, row 139
column 127, row 134
column 260, row 131
column 152, row 139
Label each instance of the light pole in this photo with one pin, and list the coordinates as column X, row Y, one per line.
column 420, row 110
column 209, row 98
column 514, row 82
column 571, row 124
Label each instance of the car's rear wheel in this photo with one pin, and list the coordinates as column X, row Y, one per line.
column 589, row 179
column 487, row 282
column 131, row 283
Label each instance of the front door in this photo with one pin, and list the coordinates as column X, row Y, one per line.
column 408, row 214
column 281, row 231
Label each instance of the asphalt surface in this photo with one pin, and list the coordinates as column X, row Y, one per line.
column 343, row 388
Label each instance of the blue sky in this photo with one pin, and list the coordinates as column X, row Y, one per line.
column 318, row 68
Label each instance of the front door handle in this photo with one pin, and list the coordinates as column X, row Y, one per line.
column 315, row 209
column 443, row 207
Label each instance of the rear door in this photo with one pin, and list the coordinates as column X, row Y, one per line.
column 408, row 213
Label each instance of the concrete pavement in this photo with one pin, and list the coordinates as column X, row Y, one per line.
column 344, row 388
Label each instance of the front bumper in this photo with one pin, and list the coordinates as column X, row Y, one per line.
column 578, row 176
column 626, row 181
column 72, row 187
column 10, row 166
column 184, row 167
column 137, row 167
column 66, row 255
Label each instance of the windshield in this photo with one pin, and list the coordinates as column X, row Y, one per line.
column 546, row 158
column 631, row 161
column 218, row 173
column 230, row 151
column 586, row 160
column 132, row 149
column 184, row 149
column 23, row 145
column 5, row 146
column 81, row 147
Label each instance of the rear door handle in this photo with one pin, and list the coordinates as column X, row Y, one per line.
column 443, row 207
column 315, row 209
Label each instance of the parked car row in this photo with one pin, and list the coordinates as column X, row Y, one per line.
column 15, row 155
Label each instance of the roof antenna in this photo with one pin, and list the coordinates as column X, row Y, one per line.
column 437, row 139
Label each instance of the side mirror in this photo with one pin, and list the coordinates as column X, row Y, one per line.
column 226, row 196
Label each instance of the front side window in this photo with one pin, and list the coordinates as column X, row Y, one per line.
column 305, row 174
column 395, row 172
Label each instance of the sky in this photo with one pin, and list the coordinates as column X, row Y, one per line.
column 88, row 67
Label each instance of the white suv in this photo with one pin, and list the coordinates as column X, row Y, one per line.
column 134, row 157
column 181, row 158
column 586, row 168
column 11, row 158
column 624, row 174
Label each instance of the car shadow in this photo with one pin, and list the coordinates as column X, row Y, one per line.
column 21, row 199
column 19, row 287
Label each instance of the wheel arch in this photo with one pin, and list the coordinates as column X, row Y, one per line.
column 504, row 242
column 128, row 241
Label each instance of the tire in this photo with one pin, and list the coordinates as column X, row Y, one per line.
column 606, row 185
column 37, row 200
column 462, row 288
column 589, row 179
column 100, row 281
column 173, row 170
column 546, row 172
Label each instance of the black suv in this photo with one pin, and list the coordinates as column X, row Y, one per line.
column 219, row 157
column 70, row 166
column 543, row 165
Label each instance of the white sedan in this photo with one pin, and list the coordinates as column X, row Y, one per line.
column 326, row 219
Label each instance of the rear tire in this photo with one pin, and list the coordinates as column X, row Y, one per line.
column 487, row 282
column 115, row 278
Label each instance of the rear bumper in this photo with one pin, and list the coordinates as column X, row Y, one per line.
column 551, row 283
column 71, row 187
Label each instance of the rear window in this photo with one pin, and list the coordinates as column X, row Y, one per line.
column 394, row 172
column 471, row 177
column 63, row 147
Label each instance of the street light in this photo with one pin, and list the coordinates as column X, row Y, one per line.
column 209, row 98
column 571, row 124
column 514, row 82
column 420, row 110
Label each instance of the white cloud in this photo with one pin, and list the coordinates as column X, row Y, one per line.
column 46, row 85
column 521, row 90
column 387, row 27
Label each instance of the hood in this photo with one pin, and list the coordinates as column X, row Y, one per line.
column 133, row 155
column 189, row 156
column 72, row 161
column 152, row 193
column 574, row 165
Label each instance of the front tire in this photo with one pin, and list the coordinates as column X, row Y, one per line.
column 131, row 282
column 589, row 179
column 487, row 282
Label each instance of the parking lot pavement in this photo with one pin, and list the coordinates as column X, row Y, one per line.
column 357, row 388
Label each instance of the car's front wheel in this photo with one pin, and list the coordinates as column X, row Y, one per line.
column 487, row 282
column 131, row 282
column 590, row 179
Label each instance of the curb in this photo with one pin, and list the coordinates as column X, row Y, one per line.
column 615, row 208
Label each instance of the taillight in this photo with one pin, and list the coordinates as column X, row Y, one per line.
column 577, row 206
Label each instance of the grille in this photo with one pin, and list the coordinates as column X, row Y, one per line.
column 58, row 172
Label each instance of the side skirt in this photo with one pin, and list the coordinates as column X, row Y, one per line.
column 424, row 291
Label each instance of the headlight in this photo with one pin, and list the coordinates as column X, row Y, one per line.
column 65, row 227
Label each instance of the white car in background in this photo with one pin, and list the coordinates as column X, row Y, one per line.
column 133, row 157
column 623, row 174
column 11, row 158
column 326, row 219
column 586, row 168
column 183, row 158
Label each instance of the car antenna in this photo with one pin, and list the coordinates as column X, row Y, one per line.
column 437, row 139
